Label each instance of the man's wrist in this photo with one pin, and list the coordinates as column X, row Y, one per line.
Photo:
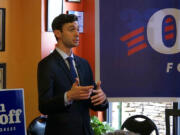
column 69, row 96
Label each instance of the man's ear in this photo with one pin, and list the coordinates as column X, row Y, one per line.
column 57, row 34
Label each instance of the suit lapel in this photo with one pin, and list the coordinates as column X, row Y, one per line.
column 62, row 64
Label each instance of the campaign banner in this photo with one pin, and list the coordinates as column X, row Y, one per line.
column 140, row 48
column 12, row 112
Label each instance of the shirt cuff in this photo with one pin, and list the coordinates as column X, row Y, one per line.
column 66, row 102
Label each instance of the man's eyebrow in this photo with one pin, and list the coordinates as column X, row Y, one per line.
column 71, row 26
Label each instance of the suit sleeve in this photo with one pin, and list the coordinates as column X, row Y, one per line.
column 48, row 102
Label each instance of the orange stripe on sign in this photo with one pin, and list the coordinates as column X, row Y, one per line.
column 168, row 20
column 169, row 28
column 132, row 34
column 137, row 48
column 135, row 41
column 169, row 36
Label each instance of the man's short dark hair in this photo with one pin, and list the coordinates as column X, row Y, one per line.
column 60, row 20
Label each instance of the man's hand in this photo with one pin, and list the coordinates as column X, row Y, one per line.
column 79, row 92
column 99, row 96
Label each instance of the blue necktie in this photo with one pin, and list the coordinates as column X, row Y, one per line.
column 72, row 69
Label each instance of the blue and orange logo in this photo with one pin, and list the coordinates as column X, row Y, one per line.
column 161, row 33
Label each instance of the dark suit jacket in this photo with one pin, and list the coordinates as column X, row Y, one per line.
column 54, row 79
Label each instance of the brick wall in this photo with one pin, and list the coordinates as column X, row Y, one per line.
column 154, row 110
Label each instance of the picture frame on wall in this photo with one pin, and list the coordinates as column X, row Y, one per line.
column 2, row 29
column 54, row 8
column 80, row 16
column 2, row 75
column 74, row 0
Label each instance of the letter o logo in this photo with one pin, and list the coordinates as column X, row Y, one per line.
column 161, row 35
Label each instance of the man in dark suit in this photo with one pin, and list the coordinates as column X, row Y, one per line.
column 66, row 87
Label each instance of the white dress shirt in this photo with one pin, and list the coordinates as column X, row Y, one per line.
column 65, row 56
